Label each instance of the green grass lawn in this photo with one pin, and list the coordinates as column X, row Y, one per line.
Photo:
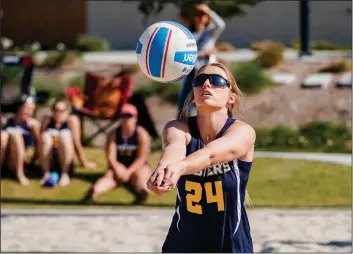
column 273, row 183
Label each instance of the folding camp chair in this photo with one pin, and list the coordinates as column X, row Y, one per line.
column 11, row 66
column 101, row 100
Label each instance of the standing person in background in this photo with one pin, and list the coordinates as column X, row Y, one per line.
column 61, row 137
column 206, row 26
column 19, row 134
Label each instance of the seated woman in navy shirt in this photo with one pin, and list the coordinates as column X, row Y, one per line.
column 60, row 138
column 19, row 134
column 127, row 150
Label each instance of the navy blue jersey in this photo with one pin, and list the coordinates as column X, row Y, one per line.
column 52, row 125
column 26, row 131
column 210, row 215
column 126, row 147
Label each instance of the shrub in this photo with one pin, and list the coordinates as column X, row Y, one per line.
column 77, row 81
column 86, row 43
column 56, row 59
column 337, row 66
column 326, row 135
column 318, row 136
column 250, row 77
column 225, row 46
column 169, row 92
column 277, row 137
column 11, row 74
column 53, row 90
column 269, row 53
column 323, row 45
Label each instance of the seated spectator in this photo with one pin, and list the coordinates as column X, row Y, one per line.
column 127, row 150
column 19, row 134
column 60, row 138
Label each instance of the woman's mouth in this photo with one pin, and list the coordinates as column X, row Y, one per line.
column 205, row 93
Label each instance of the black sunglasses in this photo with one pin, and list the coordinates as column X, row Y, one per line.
column 125, row 116
column 216, row 80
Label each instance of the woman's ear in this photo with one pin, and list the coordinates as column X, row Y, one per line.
column 232, row 98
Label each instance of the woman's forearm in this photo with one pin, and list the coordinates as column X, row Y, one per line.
column 172, row 154
column 219, row 24
column 80, row 152
column 196, row 162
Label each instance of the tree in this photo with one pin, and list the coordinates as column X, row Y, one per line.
column 225, row 8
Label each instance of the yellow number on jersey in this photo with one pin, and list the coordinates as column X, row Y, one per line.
column 217, row 197
column 193, row 198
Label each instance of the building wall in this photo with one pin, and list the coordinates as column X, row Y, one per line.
column 46, row 21
column 122, row 24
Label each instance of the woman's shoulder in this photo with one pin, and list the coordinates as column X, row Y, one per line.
column 181, row 124
column 239, row 125
column 32, row 122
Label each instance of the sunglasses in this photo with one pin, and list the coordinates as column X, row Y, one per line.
column 216, row 80
column 126, row 116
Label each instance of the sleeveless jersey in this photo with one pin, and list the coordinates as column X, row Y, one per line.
column 210, row 215
column 56, row 132
column 23, row 128
column 126, row 147
column 52, row 126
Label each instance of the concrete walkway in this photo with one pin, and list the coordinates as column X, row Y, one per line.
column 344, row 159
column 239, row 55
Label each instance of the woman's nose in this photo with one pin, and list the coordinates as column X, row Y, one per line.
column 207, row 83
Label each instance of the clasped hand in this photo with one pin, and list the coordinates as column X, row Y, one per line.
column 164, row 179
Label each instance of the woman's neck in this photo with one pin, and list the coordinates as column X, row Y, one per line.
column 210, row 123
column 128, row 129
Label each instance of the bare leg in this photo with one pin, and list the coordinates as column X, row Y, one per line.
column 17, row 157
column 45, row 155
column 4, row 143
column 102, row 185
column 139, row 183
column 66, row 157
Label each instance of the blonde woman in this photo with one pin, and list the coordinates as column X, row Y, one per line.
column 208, row 159
column 60, row 138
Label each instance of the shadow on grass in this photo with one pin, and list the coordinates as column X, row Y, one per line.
column 35, row 174
column 22, row 201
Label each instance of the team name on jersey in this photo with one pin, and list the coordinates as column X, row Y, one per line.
column 126, row 147
column 217, row 169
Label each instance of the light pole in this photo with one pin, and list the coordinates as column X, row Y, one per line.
column 304, row 9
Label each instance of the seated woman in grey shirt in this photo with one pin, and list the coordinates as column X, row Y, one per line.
column 206, row 26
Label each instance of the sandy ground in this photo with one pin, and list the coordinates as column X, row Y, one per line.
column 145, row 231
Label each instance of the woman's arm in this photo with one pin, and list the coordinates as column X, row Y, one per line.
column 34, row 128
column 144, row 148
column 75, row 126
column 235, row 143
column 218, row 24
column 119, row 169
column 44, row 124
column 174, row 143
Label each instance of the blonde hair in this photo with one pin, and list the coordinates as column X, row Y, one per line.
column 238, row 104
column 233, row 87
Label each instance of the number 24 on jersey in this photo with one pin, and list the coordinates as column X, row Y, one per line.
column 193, row 199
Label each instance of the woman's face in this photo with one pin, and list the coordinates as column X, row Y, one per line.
column 200, row 18
column 26, row 112
column 61, row 112
column 212, row 90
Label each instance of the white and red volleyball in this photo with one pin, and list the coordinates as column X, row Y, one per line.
column 166, row 51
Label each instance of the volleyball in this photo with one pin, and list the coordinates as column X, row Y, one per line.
column 166, row 51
